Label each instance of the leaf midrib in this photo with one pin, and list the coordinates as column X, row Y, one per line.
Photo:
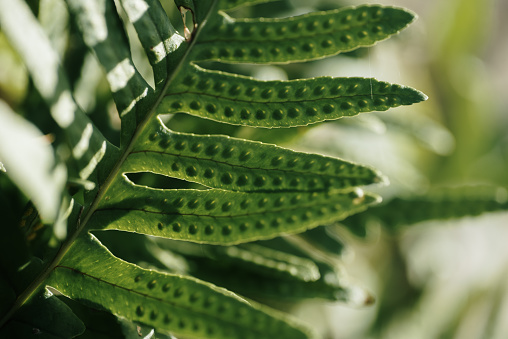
column 148, row 296
column 216, row 216
column 64, row 248
column 290, row 20
column 231, row 22
column 332, row 33
column 269, row 101
column 261, row 169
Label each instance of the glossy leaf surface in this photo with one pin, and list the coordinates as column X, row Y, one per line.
column 221, row 217
column 251, row 191
column 301, row 38
column 241, row 165
column 241, row 100
column 182, row 305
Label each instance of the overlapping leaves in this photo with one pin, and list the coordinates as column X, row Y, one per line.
column 253, row 190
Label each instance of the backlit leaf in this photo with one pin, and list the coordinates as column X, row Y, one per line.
column 30, row 162
column 241, row 100
column 182, row 305
column 301, row 38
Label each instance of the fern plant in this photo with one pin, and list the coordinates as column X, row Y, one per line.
column 83, row 187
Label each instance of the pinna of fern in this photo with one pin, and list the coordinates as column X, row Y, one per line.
column 253, row 191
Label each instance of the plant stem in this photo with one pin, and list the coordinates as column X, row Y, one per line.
column 39, row 280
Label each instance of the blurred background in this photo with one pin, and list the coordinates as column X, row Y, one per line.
column 443, row 279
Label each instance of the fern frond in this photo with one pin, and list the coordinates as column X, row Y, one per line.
column 438, row 204
column 160, row 41
column 253, row 190
column 241, row 100
column 219, row 216
column 182, row 305
column 301, row 38
column 241, row 165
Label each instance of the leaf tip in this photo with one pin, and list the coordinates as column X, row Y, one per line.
column 422, row 96
column 412, row 96
column 381, row 179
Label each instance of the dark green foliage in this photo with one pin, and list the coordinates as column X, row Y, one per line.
column 248, row 191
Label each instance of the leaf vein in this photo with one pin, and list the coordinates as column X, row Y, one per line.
column 254, row 168
column 161, row 300
column 286, row 101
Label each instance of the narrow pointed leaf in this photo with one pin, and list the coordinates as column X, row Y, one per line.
column 221, row 217
column 307, row 37
column 181, row 305
column 241, row 165
column 258, row 277
column 103, row 33
column 83, row 140
column 326, row 288
column 240, row 100
column 265, row 262
column 159, row 38
column 255, row 283
column 30, row 163
column 437, row 205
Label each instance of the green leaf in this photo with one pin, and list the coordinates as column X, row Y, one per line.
column 99, row 324
column 104, row 34
column 257, row 191
column 83, row 142
column 30, row 162
column 311, row 36
column 265, row 261
column 324, row 239
column 159, row 38
column 330, row 287
column 240, row 100
column 266, row 277
column 218, row 216
column 240, row 165
column 44, row 316
column 231, row 4
column 179, row 304
column 438, row 204
column 276, row 269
